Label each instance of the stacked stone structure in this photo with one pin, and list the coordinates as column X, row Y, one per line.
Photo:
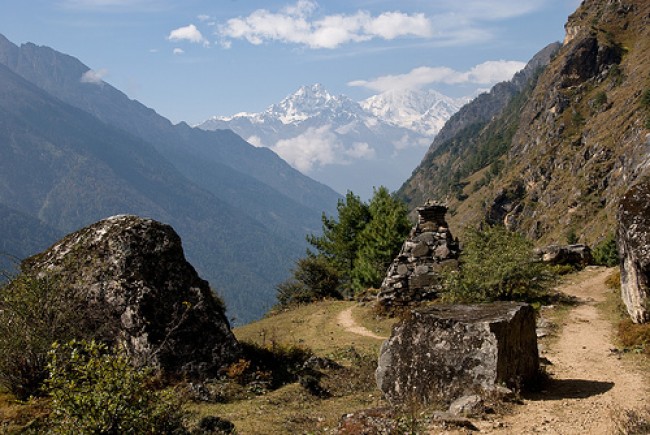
column 414, row 275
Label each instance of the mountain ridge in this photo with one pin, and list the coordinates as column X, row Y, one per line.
column 553, row 162
column 341, row 142
column 90, row 168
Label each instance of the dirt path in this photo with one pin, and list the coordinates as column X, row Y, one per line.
column 346, row 321
column 590, row 385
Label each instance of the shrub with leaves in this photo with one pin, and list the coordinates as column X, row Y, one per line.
column 605, row 253
column 314, row 278
column 94, row 391
column 34, row 313
column 497, row 265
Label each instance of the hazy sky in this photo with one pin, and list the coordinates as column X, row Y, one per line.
column 192, row 59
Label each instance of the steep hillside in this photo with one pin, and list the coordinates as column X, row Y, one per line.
column 68, row 169
column 456, row 151
column 22, row 235
column 560, row 155
column 253, row 179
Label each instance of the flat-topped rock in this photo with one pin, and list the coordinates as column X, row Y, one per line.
column 445, row 352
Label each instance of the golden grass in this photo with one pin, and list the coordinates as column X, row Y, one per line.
column 316, row 326
column 291, row 408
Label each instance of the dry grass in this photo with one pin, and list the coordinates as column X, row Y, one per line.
column 632, row 338
column 316, row 327
column 292, row 408
column 16, row 415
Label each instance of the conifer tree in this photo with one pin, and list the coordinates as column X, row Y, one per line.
column 340, row 240
column 380, row 240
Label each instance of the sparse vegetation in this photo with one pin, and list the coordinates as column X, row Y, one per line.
column 605, row 253
column 95, row 391
column 600, row 100
column 34, row 313
column 632, row 422
column 498, row 265
column 635, row 337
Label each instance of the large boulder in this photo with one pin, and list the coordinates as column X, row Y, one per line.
column 161, row 312
column 444, row 352
column 634, row 250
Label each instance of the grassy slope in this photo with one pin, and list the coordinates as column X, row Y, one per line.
column 291, row 409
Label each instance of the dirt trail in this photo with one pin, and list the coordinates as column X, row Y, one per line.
column 590, row 385
column 346, row 321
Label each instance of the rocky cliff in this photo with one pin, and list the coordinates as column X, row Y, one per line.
column 558, row 157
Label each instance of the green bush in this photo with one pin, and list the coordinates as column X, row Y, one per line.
column 605, row 253
column 94, row 391
column 34, row 313
column 314, row 278
column 495, row 265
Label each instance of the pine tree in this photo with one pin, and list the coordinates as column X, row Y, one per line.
column 380, row 240
column 340, row 240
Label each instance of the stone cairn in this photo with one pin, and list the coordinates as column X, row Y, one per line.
column 414, row 275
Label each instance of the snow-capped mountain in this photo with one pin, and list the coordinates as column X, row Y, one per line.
column 422, row 111
column 342, row 143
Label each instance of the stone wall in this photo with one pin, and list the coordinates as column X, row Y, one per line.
column 414, row 275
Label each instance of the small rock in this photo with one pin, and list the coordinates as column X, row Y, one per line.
column 467, row 406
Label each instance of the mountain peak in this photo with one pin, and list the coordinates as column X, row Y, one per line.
column 309, row 101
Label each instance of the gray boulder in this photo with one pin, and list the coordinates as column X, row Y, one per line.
column 444, row 352
column 574, row 255
column 161, row 312
column 634, row 250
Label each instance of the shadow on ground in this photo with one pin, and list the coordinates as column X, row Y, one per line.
column 558, row 389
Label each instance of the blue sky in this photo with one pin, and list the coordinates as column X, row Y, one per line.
column 192, row 59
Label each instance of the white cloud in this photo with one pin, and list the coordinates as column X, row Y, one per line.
column 486, row 73
column 319, row 147
column 296, row 24
column 360, row 150
column 178, row 51
column 494, row 71
column 203, row 17
column 256, row 141
column 94, row 76
column 188, row 33
column 315, row 147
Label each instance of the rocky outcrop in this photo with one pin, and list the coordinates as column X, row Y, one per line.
column 162, row 312
column 445, row 352
column 634, row 251
column 560, row 155
column 574, row 255
column 414, row 275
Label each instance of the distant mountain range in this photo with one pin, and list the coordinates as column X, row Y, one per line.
column 73, row 152
column 345, row 144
